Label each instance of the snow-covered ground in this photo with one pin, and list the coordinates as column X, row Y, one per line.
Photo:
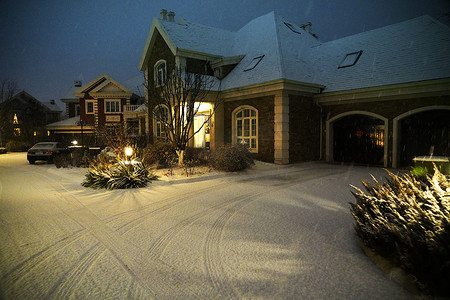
column 273, row 232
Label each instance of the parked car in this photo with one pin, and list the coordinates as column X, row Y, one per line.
column 45, row 151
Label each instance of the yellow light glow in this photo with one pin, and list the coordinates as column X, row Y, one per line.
column 128, row 151
column 75, row 143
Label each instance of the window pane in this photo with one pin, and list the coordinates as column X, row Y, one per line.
column 239, row 115
column 247, row 142
column 246, row 127
column 253, row 144
column 246, row 113
column 253, row 127
column 253, row 113
column 239, row 128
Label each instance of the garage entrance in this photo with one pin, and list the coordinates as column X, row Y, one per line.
column 424, row 133
column 359, row 139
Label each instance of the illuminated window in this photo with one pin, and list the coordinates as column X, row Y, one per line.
column 48, row 132
column 15, row 120
column 112, row 106
column 89, row 106
column 160, row 72
column 292, row 27
column 16, row 131
column 245, row 123
column 35, row 133
column 160, row 116
column 350, row 59
column 254, row 63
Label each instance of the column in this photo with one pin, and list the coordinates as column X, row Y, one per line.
column 281, row 120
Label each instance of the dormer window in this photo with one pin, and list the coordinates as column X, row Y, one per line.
column 254, row 63
column 350, row 59
column 160, row 72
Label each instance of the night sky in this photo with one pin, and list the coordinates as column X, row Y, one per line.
column 46, row 45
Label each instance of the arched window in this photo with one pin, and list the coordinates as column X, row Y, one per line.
column 160, row 116
column 245, row 127
column 160, row 72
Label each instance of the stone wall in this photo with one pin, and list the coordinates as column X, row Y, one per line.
column 304, row 129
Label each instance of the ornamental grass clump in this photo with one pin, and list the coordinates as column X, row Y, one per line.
column 119, row 175
column 408, row 222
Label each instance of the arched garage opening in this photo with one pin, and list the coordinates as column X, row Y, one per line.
column 422, row 132
column 357, row 137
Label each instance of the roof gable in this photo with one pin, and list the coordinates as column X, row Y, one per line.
column 103, row 86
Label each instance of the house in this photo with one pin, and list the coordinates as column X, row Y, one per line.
column 23, row 118
column 100, row 104
column 379, row 97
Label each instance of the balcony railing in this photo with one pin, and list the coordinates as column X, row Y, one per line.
column 129, row 108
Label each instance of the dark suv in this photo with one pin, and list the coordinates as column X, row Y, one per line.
column 45, row 151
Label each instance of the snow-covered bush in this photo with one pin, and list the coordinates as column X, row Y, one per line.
column 118, row 175
column 231, row 158
column 408, row 221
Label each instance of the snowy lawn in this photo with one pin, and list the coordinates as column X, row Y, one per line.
column 272, row 232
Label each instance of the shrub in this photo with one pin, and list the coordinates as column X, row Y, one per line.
column 17, row 146
column 408, row 222
column 119, row 175
column 231, row 158
column 161, row 154
column 2, row 150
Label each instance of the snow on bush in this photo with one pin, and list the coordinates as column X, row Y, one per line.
column 408, row 221
column 231, row 158
column 119, row 175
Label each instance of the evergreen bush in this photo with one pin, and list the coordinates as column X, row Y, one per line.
column 408, row 221
column 118, row 175
column 17, row 146
column 231, row 158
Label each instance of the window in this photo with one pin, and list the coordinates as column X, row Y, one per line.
column 254, row 63
column 112, row 106
column 15, row 120
column 16, row 131
column 245, row 122
column 160, row 72
column 292, row 27
column 77, row 109
column 160, row 116
column 89, row 106
column 350, row 59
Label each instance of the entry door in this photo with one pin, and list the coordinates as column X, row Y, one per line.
column 199, row 137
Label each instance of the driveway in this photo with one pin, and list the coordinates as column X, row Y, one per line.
column 274, row 232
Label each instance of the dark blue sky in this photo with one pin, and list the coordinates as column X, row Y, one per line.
column 46, row 45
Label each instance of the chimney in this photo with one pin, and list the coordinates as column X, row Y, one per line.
column 171, row 16
column 163, row 13
column 307, row 27
column 77, row 83
column 52, row 102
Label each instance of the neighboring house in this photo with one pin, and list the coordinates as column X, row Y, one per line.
column 23, row 118
column 99, row 104
column 378, row 97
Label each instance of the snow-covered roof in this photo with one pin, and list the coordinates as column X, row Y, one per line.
column 410, row 51
column 70, row 93
column 275, row 48
column 70, row 122
column 52, row 106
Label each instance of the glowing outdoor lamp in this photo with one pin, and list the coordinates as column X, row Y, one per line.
column 75, row 142
column 128, row 151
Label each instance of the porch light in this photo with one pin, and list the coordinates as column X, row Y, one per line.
column 74, row 142
column 128, row 151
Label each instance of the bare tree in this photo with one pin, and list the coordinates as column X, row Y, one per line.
column 182, row 95
column 8, row 88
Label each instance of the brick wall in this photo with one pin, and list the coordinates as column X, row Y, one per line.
column 265, row 107
column 304, row 129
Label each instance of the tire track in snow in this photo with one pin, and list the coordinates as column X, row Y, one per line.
column 149, row 210
column 163, row 240
column 23, row 269
column 65, row 286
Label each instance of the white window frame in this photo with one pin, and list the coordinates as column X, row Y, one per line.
column 235, row 119
column 162, row 134
column 119, row 106
column 159, row 81
column 87, row 106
